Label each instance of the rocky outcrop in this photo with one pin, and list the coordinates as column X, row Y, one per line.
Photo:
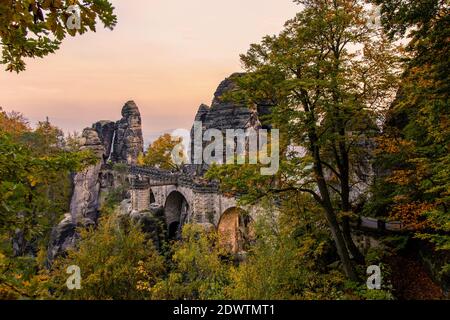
column 90, row 140
column 120, row 141
column 84, row 206
column 62, row 238
column 128, row 141
column 226, row 114
column 84, row 203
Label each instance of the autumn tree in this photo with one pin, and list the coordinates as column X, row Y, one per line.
column 161, row 153
column 197, row 271
column 414, row 151
column 114, row 260
column 45, row 139
column 329, row 75
column 36, row 28
column 35, row 184
column 28, row 198
column 13, row 123
column 293, row 258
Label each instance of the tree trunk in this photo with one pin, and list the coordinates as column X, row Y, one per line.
column 342, row 159
column 333, row 223
column 352, row 248
column 339, row 241
column 325, row 202
column 345, row 197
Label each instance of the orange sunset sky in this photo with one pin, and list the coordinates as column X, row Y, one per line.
column 167, row 55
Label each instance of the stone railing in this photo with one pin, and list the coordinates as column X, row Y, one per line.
column 378, row 225
column 164, row 177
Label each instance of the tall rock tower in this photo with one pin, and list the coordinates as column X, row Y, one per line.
column 122, row 140
column 225, row 114
column 128, row 140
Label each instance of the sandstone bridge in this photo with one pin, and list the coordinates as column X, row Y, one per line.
column 187, row 198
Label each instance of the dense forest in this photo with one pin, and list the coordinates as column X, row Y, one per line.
column 357, row 92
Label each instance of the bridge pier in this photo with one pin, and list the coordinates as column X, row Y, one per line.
column 140, row 194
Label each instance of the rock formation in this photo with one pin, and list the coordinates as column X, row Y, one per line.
column 62, row 238
column 84, row 206
column 120, row 141
column 226, row 114
column 128, row 141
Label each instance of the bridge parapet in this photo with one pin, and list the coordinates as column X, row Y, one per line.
column 159, row 177
column 140, row 183
column 379, row 225
column 198, row 185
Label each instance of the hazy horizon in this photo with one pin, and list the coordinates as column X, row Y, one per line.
column 167, row 56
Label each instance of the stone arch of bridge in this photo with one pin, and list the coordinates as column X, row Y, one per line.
column 176, row 210
column 235, row 229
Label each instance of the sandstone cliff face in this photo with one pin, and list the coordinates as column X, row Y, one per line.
column 84, row 205
column 128, row 141
column 120, row 141
column 63, row 237
column 224, row 114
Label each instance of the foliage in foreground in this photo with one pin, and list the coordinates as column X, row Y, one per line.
column 414, row 152
column 35, row 189
column 114, row 260
column 32, row 29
